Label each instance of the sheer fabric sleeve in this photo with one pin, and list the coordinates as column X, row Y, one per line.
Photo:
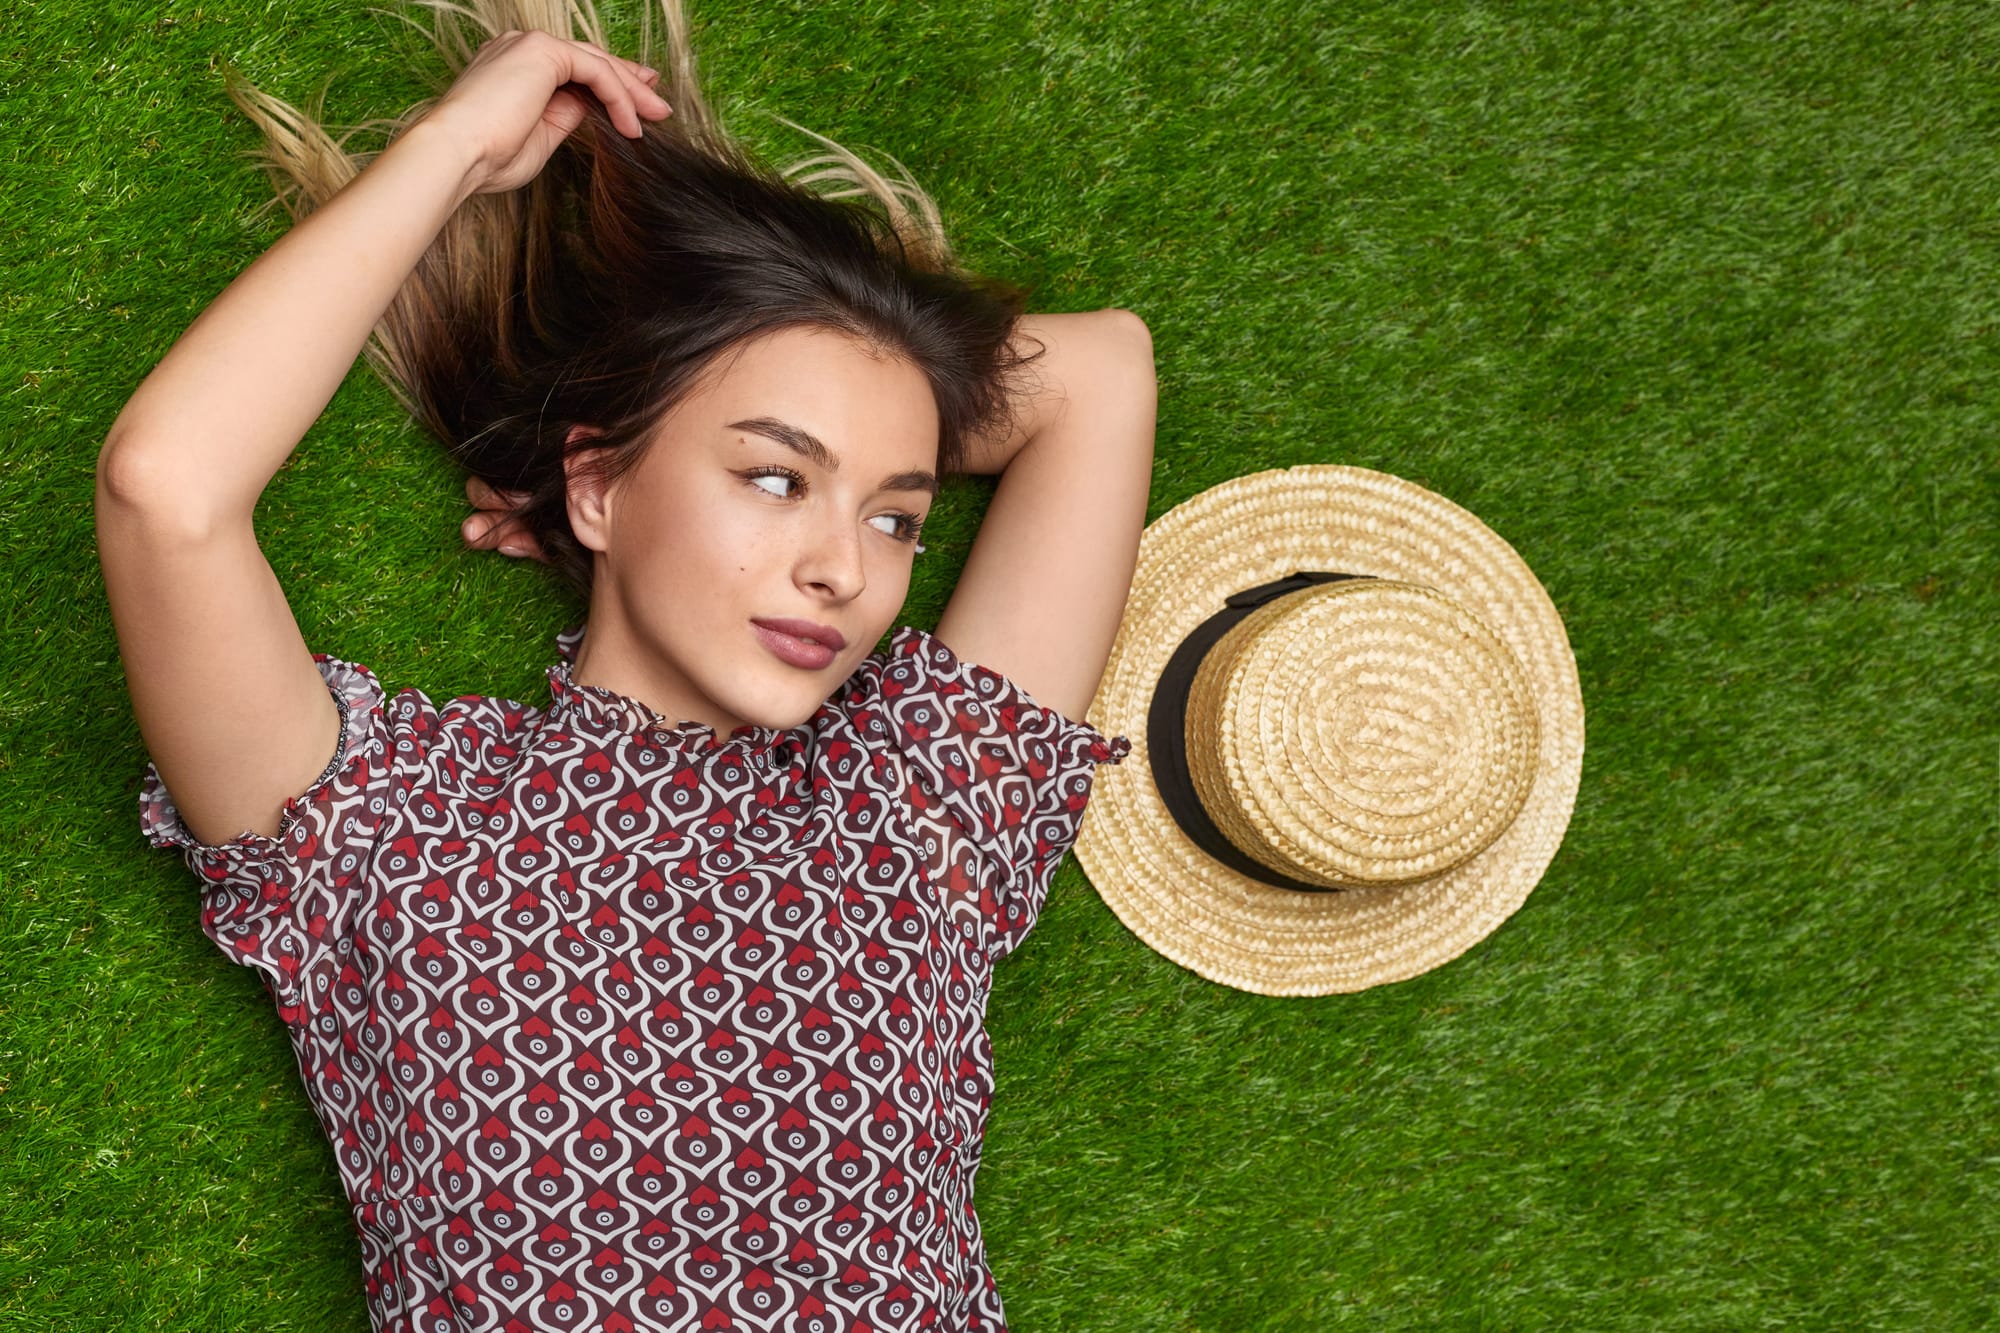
column 282, row 903
column 998, row 777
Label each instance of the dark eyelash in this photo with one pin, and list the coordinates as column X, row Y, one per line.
column 909, row 526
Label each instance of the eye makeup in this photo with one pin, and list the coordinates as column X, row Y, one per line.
column 809, row 447
column 908, row 526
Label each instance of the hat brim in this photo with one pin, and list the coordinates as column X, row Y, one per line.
column 1237, row 930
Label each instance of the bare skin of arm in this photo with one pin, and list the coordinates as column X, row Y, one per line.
column 229, row 702
column 1042, row 594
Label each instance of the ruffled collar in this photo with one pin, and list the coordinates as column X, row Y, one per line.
column 598, row 708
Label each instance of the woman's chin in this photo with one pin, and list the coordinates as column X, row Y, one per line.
column 794, row 711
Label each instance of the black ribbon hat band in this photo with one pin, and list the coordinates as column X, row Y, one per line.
column 1166, row 727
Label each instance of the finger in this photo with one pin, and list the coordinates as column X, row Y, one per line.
column 504, row 535
column 650, row 78
column 627, row 93
column 645, row 74
column 635, row 85
column 599, row 71
column 646, row 98
column 482, row 494
column 564, row 113
column 495, row 532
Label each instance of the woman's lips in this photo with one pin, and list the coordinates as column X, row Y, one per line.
column 795, row 651
column 803, row 629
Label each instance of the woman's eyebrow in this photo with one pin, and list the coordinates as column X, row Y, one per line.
column 808, row 445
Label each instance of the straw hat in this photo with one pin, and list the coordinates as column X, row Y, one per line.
column 1356, row 734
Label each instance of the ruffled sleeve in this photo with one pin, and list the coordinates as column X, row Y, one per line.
column 1001, row 776
column 283, row 903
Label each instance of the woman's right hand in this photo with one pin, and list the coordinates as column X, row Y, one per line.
column 512, row 107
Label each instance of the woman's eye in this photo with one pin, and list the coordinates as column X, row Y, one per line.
column 771, row 476
column 903, row 527
column 897, row 525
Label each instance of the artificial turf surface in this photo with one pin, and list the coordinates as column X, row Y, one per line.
column 1694, row 304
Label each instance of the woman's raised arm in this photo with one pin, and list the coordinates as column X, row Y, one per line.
column 1043, row 592
column 229, row 702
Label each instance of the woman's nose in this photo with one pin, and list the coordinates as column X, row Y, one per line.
column 834, row 561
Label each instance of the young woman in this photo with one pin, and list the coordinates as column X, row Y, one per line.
column 658, row 1004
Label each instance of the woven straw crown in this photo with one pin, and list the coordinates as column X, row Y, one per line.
column 1362, row 728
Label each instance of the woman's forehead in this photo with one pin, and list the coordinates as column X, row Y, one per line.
column 824, row 394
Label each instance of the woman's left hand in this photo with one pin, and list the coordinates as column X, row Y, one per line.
column 495, row 527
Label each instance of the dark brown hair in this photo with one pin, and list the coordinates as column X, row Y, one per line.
column 599, row 293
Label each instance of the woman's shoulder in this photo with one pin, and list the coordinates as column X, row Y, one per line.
column 410, row 719
column 920, row 696
column 911, row 657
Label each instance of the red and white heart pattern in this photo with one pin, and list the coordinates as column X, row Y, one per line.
column 614, row 1024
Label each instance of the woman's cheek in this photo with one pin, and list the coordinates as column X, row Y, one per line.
column 719, row 537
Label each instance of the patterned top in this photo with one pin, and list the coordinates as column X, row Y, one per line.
column 614, row 1024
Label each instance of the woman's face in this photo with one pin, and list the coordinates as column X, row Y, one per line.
column 722, row 524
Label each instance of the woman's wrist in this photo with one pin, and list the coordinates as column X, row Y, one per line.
column 450, row 155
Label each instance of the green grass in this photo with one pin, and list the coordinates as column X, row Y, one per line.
column 1694, row 304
